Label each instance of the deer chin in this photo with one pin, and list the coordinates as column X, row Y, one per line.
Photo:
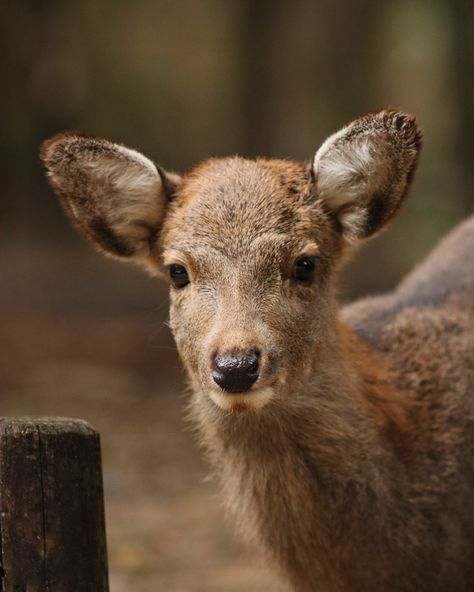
column 253, row 400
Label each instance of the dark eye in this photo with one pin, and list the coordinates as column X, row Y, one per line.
column 303, row 269
column 179, row 275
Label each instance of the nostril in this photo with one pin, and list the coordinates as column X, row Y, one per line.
column 253, row 361
column 236, row 373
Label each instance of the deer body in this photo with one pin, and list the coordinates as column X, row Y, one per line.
column 343, row 441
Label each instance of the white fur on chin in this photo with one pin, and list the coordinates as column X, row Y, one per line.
column 252, row 400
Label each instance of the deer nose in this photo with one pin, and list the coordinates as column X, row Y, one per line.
column 236, row 374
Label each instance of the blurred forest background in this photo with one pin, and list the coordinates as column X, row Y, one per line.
column 181, row 81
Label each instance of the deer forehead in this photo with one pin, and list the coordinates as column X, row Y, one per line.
column 238, row 207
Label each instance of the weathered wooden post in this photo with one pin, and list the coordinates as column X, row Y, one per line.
column 52, row 530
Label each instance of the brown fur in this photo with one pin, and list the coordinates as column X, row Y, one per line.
column 350, row 462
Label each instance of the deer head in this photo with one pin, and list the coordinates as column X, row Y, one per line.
column 249, row 247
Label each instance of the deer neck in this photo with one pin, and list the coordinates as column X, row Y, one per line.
column 300, row 473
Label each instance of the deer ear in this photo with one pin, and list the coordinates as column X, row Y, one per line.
column 362, row 173
column 115, row 196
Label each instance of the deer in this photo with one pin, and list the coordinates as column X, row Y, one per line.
column 342, row 437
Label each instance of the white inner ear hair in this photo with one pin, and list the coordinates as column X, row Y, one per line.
column 353, row 223
column 344, row 168
column 129, row 189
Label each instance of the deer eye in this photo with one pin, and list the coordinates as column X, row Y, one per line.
column 178, row 275
column 304, row 269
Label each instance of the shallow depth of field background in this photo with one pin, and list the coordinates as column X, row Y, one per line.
column 183, row 80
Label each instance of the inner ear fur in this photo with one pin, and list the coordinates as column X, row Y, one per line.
column 362, row 173
column 114, row 195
